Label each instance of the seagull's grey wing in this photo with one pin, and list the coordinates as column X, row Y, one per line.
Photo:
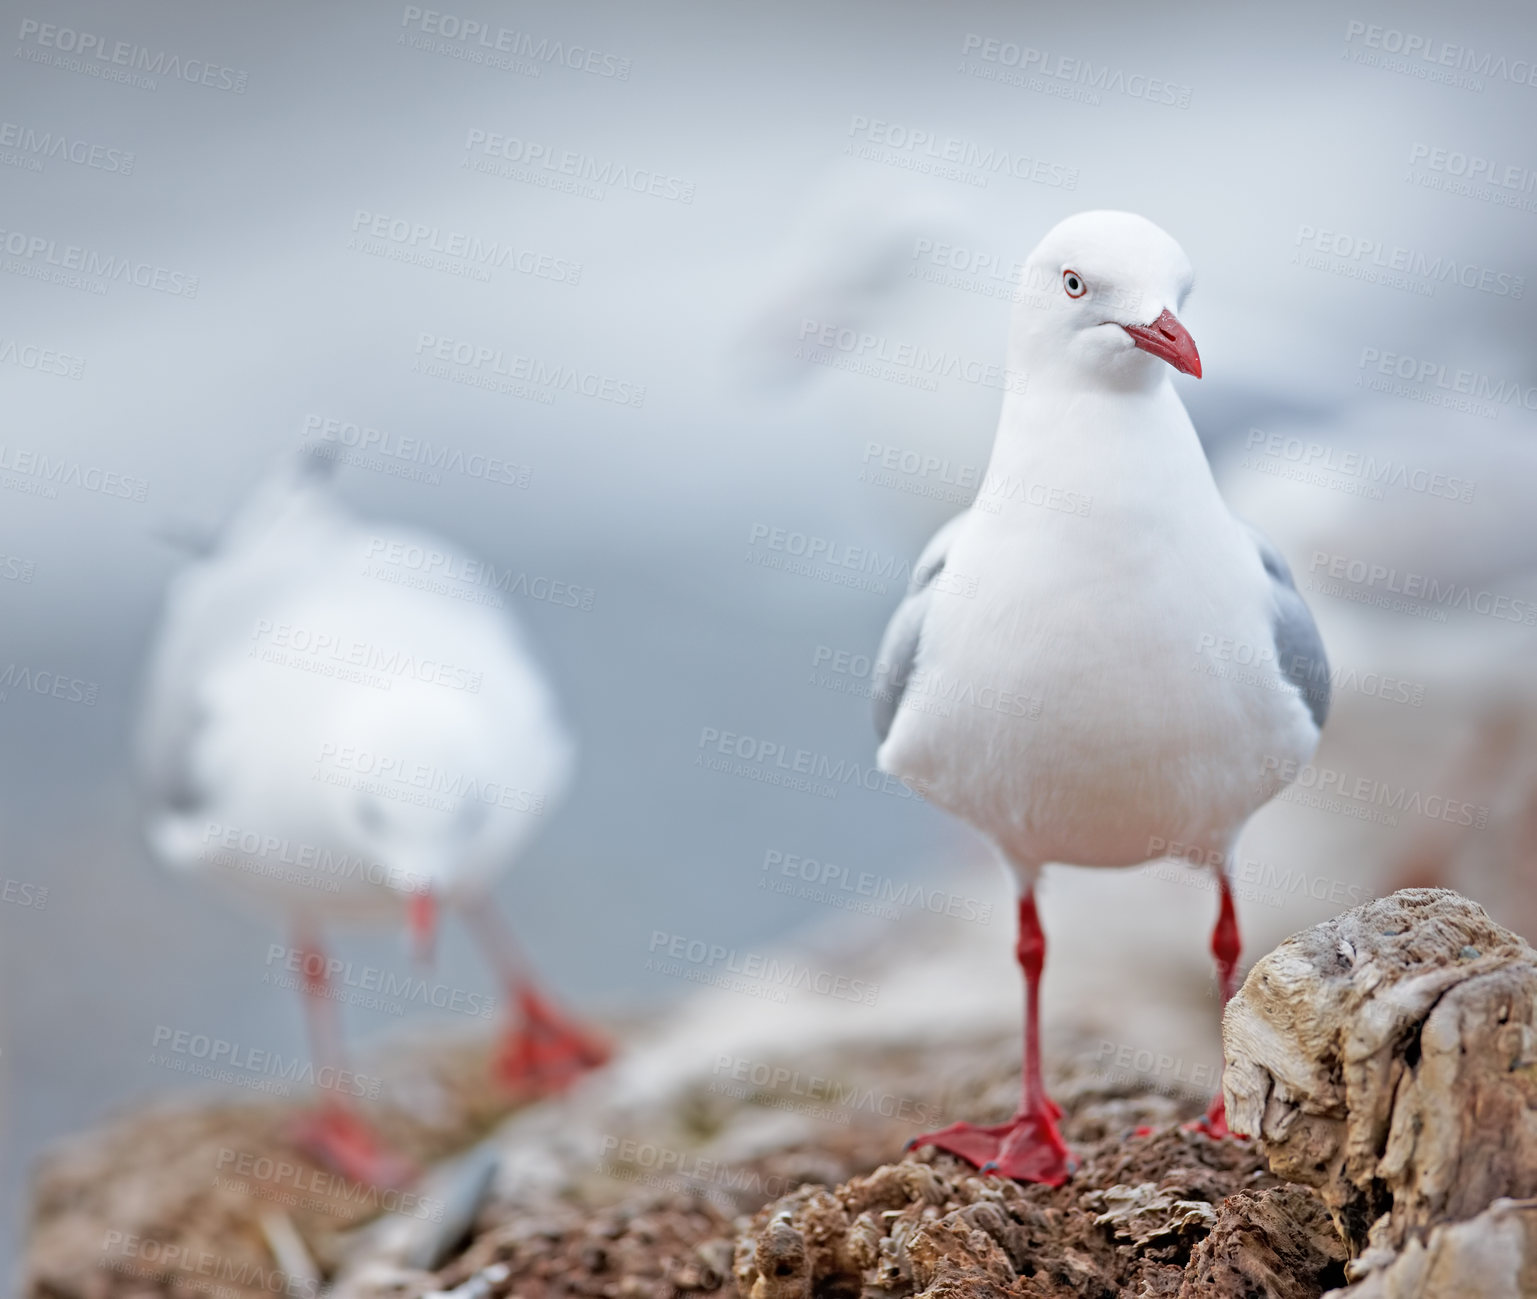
column 1299, row 648
column 899, row 646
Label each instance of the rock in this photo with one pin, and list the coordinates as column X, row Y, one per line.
column 162, row 1192
column 1144, row 1213
column 1278, row 1243
column 1492, row 1256
column 465, row 1190
column 1388, row 1057
column 935, row 1228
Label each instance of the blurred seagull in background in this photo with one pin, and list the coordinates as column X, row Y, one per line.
column 1100, row 576
column 323, row 735
column 848, row 257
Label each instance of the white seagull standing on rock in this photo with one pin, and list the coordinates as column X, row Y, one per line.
column 328, row 733
column 1100, row 576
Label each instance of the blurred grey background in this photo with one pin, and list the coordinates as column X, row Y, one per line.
column 1355, row 190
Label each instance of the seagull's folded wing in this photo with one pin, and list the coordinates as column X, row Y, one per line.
column 1299, row 649
column 899, row 646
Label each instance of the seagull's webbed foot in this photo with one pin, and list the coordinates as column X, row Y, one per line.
column 338, row 1138
column 545, row 1052
column 1027, row 1148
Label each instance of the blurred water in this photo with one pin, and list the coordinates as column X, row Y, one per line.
column 790, row 132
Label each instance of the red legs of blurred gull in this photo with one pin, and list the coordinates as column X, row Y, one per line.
column 1225, row 947
column 1028, row 1147
column 335, row 1133
column 422, row 920
column 542, row 1051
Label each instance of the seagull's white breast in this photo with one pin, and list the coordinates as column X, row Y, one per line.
column 292, row 683
column 1091, row 687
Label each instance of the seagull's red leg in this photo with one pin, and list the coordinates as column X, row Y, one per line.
column 543, row 1051
column 334, row 1132
column 1225, row 948
column 1028, row 1147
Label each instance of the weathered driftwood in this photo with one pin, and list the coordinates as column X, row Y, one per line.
column 1388, row 1058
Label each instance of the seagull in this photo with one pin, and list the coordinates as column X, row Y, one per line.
column 1096, row 663
column 321, row 734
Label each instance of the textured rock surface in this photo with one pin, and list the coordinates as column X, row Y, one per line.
column 1170, row 1214
column 1388, row 1058
column 1277, row 1243
column 1492, row 1256
column 189, row 1198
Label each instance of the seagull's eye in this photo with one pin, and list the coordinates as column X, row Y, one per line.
column 1073, row 285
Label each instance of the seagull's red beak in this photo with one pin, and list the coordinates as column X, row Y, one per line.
column 1168, row 340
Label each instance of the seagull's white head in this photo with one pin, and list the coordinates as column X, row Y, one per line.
column 1100, row 301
